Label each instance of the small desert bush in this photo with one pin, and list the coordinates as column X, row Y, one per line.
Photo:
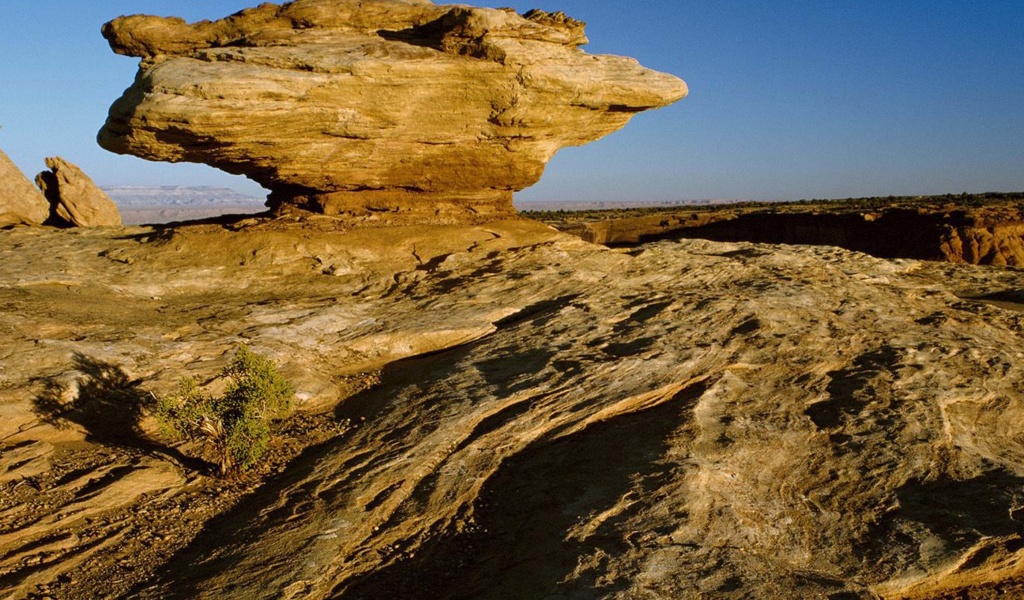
column 236, row 424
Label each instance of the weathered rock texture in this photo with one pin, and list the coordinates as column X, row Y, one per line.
column 75, row 201
column 345, row 106
column 689, row 419
column 21, row 203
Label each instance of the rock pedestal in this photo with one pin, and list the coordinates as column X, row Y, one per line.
column 348, row 106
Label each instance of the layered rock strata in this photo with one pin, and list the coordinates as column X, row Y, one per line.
column 75, row 201
column 689, row 419
column 347, row 106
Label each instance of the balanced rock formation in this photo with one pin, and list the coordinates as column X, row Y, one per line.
column 345, row 106
column 74, row 199
column 21, row 203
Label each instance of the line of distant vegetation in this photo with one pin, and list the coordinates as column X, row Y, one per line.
column 945, row 201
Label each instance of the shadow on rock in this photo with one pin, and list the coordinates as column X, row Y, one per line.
column 961, row 512
column 285, row 496
column 530, row 516
column 107, row 404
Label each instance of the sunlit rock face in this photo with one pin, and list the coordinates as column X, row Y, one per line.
column 21, row 203
column 75, row 200
column 347, row 106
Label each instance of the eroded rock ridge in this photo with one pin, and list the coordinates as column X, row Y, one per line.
column 340, row 106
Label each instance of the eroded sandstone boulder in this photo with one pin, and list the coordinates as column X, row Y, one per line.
column 21, row 203
column 342, row 106
column 74, row 199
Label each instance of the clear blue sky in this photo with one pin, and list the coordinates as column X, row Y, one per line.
column 788, row 99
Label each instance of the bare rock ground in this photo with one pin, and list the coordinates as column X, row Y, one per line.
column 553, row 419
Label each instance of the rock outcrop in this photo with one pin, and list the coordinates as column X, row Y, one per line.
column 348, row 106
column 991, row 234
column 21, row 203
column 75, row 201
column 690, row 419
column 985, row 244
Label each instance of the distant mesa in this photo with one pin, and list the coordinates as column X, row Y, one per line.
column 170, row 203
column 140, row 196
column 398, row 107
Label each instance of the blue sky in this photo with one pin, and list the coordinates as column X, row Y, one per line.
column 788, row 99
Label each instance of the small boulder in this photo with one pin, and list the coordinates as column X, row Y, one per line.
column 75, row 201
column 20, row 202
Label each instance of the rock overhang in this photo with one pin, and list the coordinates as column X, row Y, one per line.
column 342, row 106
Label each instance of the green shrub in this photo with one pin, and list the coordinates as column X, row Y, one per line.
column 237, row 424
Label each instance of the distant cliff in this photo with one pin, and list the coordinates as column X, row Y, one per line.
column 689, row 419
column 987, row 229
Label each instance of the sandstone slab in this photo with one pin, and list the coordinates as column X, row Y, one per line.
column 683, row 420
column 74, row 199
column 348, row 106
